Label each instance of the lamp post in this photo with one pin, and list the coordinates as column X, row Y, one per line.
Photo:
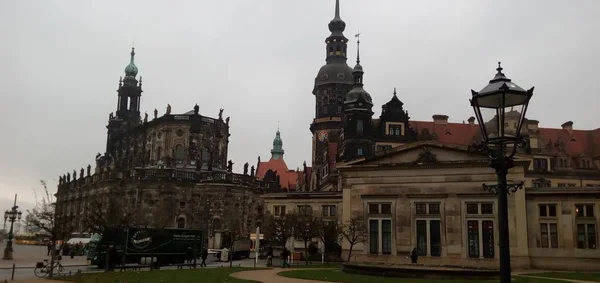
column 501, row 132
column 12, row 216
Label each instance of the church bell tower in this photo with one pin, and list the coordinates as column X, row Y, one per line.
column 128, row 107
column 332, row 83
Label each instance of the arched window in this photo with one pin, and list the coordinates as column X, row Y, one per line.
column 205, row 154
column 359, row 127
column 216, row 225
column 179, row 152
column 181, row 223
column 158, row 153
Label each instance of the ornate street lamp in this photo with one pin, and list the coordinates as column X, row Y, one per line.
column 494, row 107
column 12, row 216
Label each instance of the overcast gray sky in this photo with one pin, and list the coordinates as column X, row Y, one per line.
column 60, row 62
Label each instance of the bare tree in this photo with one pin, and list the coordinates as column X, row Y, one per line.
column 279, row 229
column 43, row 216
column 355, row 231
column 330, row 232
column 306, row 228
column 98, row 219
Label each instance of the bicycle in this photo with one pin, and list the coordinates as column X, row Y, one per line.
column 42, row 269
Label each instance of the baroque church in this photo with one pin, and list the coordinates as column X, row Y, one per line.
column 414, row 183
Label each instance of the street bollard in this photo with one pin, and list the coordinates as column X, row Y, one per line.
column 12, row 276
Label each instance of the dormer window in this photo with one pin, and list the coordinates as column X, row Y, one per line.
column 360, row 152
column 395, row 129
column 563, row 162
column 540, row 164
column 585, row 163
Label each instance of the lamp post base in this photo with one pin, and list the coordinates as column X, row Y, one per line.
column 8, row 254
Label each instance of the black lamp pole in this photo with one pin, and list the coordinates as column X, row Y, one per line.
column 12, row 215
column 494, row 108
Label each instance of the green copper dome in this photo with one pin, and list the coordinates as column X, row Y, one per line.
column 277, row 151
column 131, row 69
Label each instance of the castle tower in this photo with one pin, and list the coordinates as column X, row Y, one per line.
column 277, row 151
column 332, row 83
column 128, row 107
column 357, row 137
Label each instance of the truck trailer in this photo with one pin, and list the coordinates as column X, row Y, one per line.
column 163, row 246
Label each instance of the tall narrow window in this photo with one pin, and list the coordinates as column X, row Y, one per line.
column 386, row 237
column 380, row 228
column 179, row 152
column 359, row 127
column 434, row 232
column 374, row 236
column 181, row 223
column 488, row 239
column 581, row 242
column 473, row 238
column 422, row 237
column 591, row 233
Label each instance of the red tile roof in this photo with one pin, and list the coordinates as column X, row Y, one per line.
column 287, row 178
column 453, row 133
column 576, row 142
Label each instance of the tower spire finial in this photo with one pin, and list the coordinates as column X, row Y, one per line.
column 394, row 91
column 337, row 9
column 357, row 47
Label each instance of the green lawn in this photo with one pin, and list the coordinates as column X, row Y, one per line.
column 339, row 276
column 584, row 276
column 203, row 275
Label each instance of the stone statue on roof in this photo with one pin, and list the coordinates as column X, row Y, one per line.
column 246, row 168
column 155, row 113
column 168, row 109
column 230, row 165
column 221, row 114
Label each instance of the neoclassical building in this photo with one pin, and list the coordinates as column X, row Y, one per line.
column 419, row 183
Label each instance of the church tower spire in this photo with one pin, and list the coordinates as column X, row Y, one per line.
column 337, row 43
column 129, row 92
column 277, row 151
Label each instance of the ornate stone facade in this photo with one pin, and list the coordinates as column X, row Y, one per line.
column 171, row 171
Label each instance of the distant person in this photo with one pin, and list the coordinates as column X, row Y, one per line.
column 189, row 255
column 414, row 256
column 204, row 255
column 270, row 256
column 49, row 248
column 284, row 256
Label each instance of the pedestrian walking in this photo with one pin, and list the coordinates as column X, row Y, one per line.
column 49, row 247
column 284, row 256
column 204, row 255
column 414, row 256
column 270, row 256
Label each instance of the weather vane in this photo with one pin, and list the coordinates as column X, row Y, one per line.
column 357, row 35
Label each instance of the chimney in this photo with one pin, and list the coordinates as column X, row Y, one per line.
column 472, row 121
column 440, row 119
column 532, row 124
column 568, row 126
